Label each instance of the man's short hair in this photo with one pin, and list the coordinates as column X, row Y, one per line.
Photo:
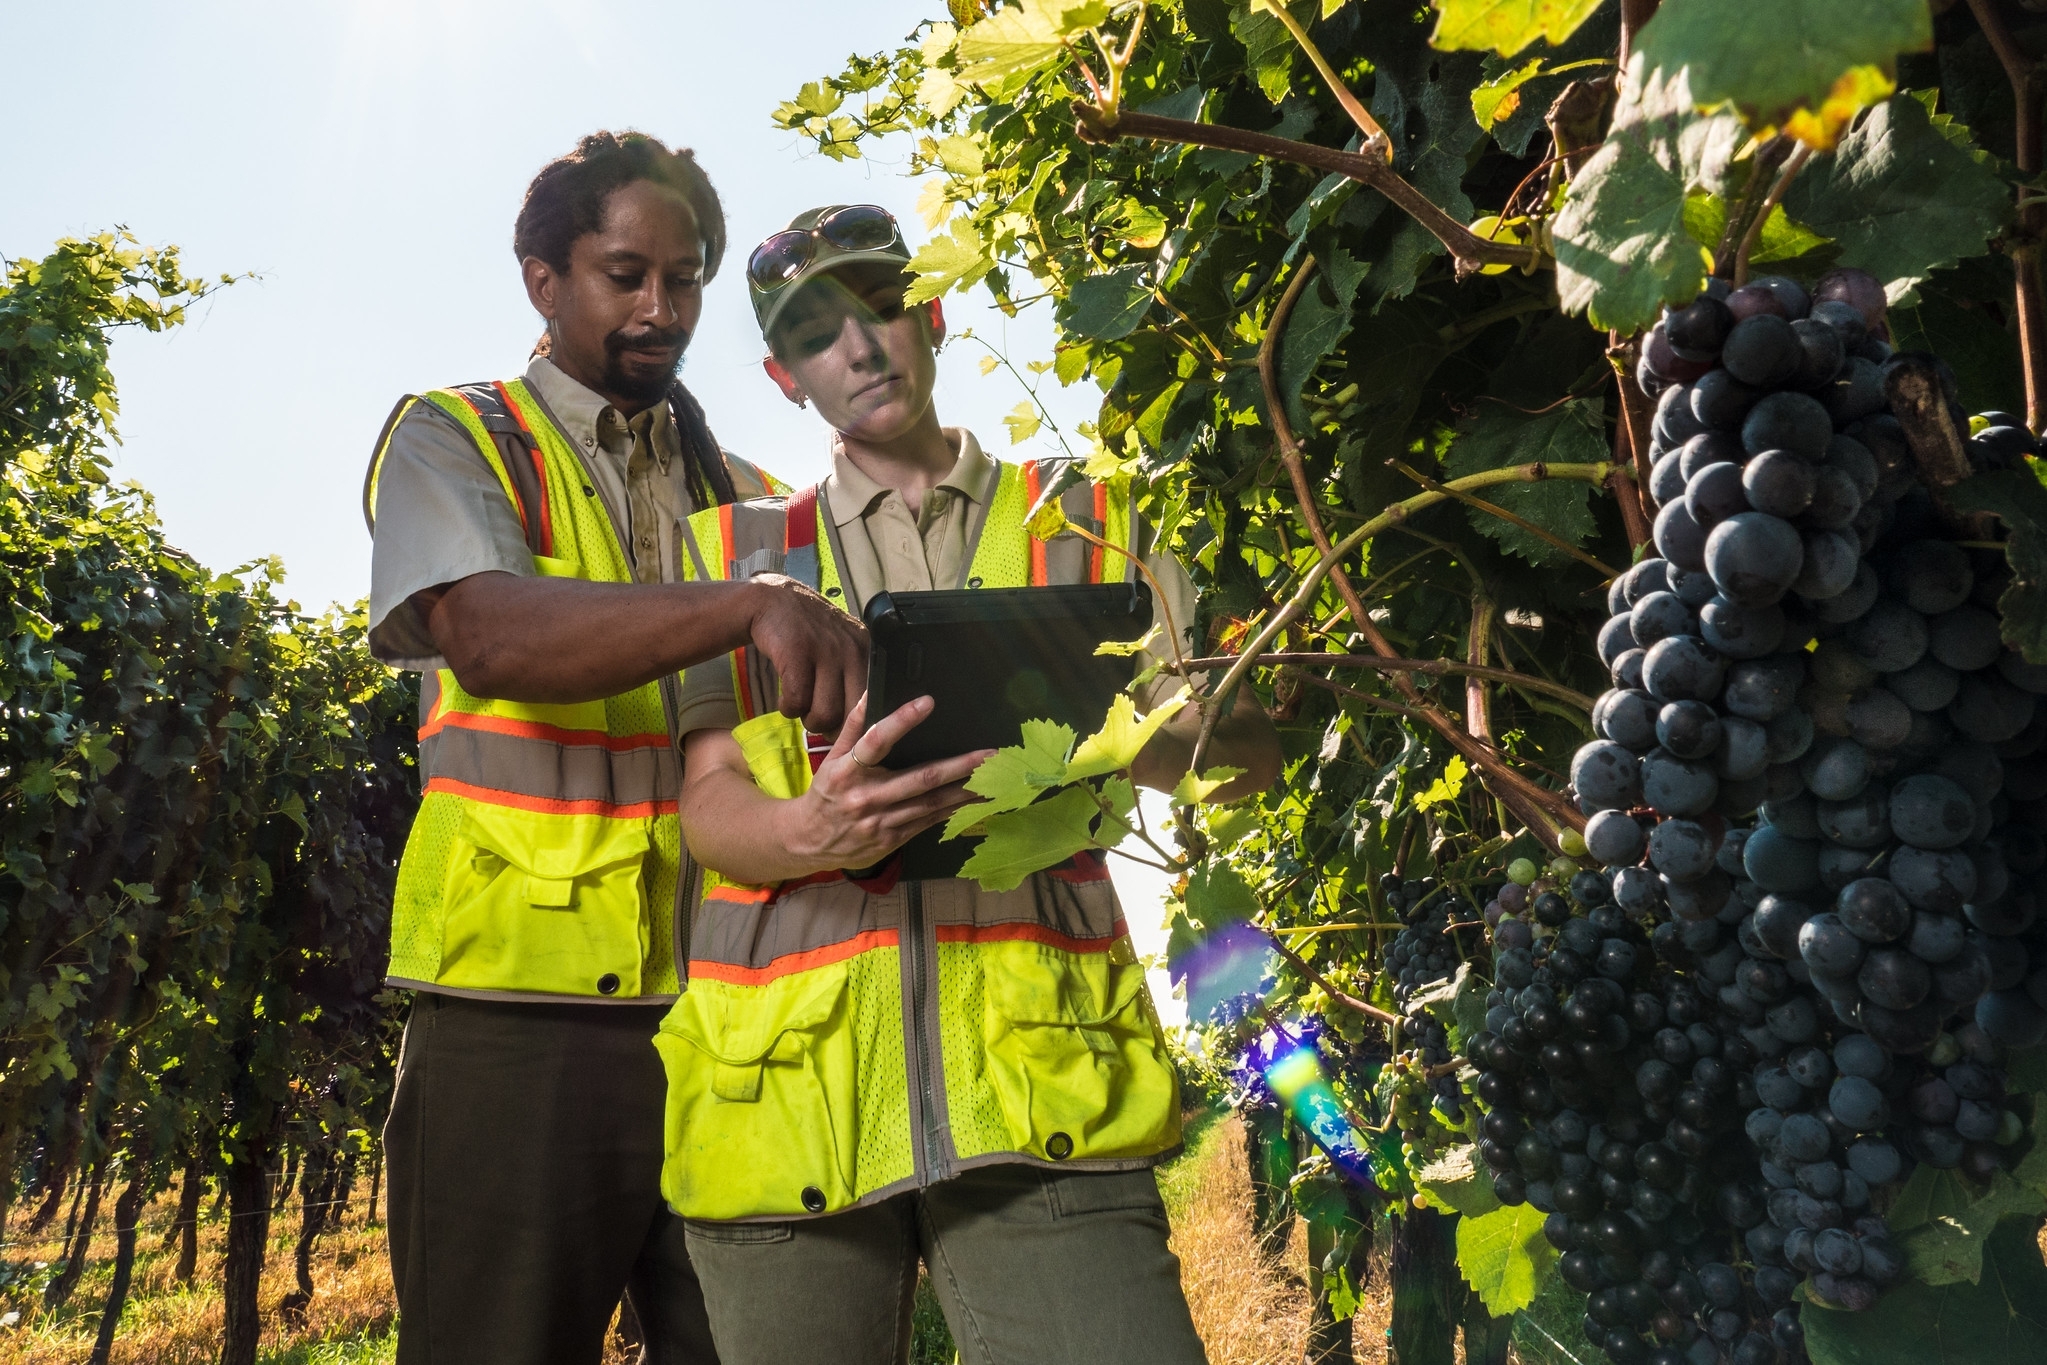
column 566, row 200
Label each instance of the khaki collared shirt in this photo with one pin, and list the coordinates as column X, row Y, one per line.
column 886, row 545
column 442, row 515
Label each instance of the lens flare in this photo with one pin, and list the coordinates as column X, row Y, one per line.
column 1223, row 970
column 1287, row 1063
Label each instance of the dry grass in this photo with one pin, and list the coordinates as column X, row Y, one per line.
column 1248, row 1310
column 348, row 1322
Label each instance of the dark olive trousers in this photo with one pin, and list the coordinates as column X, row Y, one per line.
column 1032, row 1267
column 524, row 1149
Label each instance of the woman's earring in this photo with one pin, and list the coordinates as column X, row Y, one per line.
column 803, row 400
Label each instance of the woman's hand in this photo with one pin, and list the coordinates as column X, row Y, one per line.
column 857, row 812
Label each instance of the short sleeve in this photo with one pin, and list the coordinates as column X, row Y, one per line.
column 441, row 516
column 707, row 701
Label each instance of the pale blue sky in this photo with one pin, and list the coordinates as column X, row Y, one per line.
column 366, row 160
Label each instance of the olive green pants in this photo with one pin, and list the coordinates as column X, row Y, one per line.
column 524, row 1149
column 1032, row 1267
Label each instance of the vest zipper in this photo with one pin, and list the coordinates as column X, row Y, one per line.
column 920, row 1034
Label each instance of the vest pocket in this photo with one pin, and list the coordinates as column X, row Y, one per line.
column 1074, row 1056
column 539, row 902
column 761, row 1118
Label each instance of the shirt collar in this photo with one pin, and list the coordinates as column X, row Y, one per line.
column 586, row 418
column 851, row 493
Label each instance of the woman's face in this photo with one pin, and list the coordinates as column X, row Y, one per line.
column 850, row 347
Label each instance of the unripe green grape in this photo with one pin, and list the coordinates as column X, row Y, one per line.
column 1572, row 843
column 1522, row 871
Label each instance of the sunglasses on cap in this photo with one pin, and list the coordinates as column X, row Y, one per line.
column 782, row 257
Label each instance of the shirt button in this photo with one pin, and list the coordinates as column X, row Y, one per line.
column 607, row 984
column 589, row 441
column 813, row 1199
column 1059, row 1146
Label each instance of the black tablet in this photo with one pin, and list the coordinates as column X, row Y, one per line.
column 991, row 659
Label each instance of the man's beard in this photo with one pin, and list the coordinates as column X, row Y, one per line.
column 638, row 384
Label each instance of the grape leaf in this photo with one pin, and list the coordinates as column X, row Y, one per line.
column 1217, row 894
column 1012, row 778
column 2001, row 1320
column 1949, row 1249
column 1446, row 788
column 1122, row 737
column 1455, row 1183
column 1930, row 1194
column 1774, row 59
column 1571, row 434
column 2017, row 498
column 1006, row 49
column 1193, row 787
column 1020, row 842
column 1504, row 1256
column 1319, row 321
column 1899, row 198
column 1622, row 249
column 1507, row 26
column 956, row 260
column 1268, row 47
column 1108, row 307
column 1499, row 97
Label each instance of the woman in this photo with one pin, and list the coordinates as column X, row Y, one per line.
column 868, row 1070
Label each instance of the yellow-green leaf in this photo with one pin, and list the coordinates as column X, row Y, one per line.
column 1507, row 26
column 1123, row 649
column 1455, row 1183
column 1503, row 1255
column 957, row 260
column 1192, row 789
column 1123, row 735
column 1013, row 778
column 1009, row 47
column 1446, row 788
column 1023, row 422
column 1020, row 842
column 1499, row 97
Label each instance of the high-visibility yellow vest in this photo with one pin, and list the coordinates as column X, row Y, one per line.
column 841, row 1042
column 546, row 860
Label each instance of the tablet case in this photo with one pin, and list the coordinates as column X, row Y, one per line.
column 991, row 659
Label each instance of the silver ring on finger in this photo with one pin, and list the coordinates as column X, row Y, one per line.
column 854, row 754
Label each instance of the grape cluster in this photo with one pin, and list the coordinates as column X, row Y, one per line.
column 1817, row 793
column 1423, row 1093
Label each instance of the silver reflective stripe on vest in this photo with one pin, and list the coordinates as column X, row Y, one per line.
column 553, row 770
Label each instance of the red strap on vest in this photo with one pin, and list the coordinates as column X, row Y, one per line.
column 802, row 518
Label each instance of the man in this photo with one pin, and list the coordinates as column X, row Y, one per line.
column 526, row 562
column 872, row 1068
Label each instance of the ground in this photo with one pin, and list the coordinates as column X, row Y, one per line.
column 1249, row 1311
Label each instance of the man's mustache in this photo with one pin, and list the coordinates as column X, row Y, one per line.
column 652, row 339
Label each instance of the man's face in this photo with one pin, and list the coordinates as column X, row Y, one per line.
column 854, row 350
column 624, row 311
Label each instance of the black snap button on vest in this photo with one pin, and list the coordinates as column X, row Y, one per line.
column 588, row 491
column 973, row 582
column 831, row 592
column 1059, row 1146
column 607, row 984
column 813, row 1198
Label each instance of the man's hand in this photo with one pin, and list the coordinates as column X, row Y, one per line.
column 819, row 653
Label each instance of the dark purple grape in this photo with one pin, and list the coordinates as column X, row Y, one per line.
column 1930, row 812
column 1791, row 422
column 1826, row 945
column 1763, row 689
column 1716, row 493
column 1989, row 709
column 1821, row 354
column 1931, row 576
column 1666, row 479
column 1761, row 351
column 1658, row 616
column 1835, row 582
column 1965, row 639
column 1873, row 911
column 1741, row 632
column 1699, row 329
column 1679, row 538
column 1754, row 558
column 1606, row 776
column 1682, row 668
column 1890, row 637
column 1720, row 401
column 1777, row 482
column 1675, row 786
column 1942, row 881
